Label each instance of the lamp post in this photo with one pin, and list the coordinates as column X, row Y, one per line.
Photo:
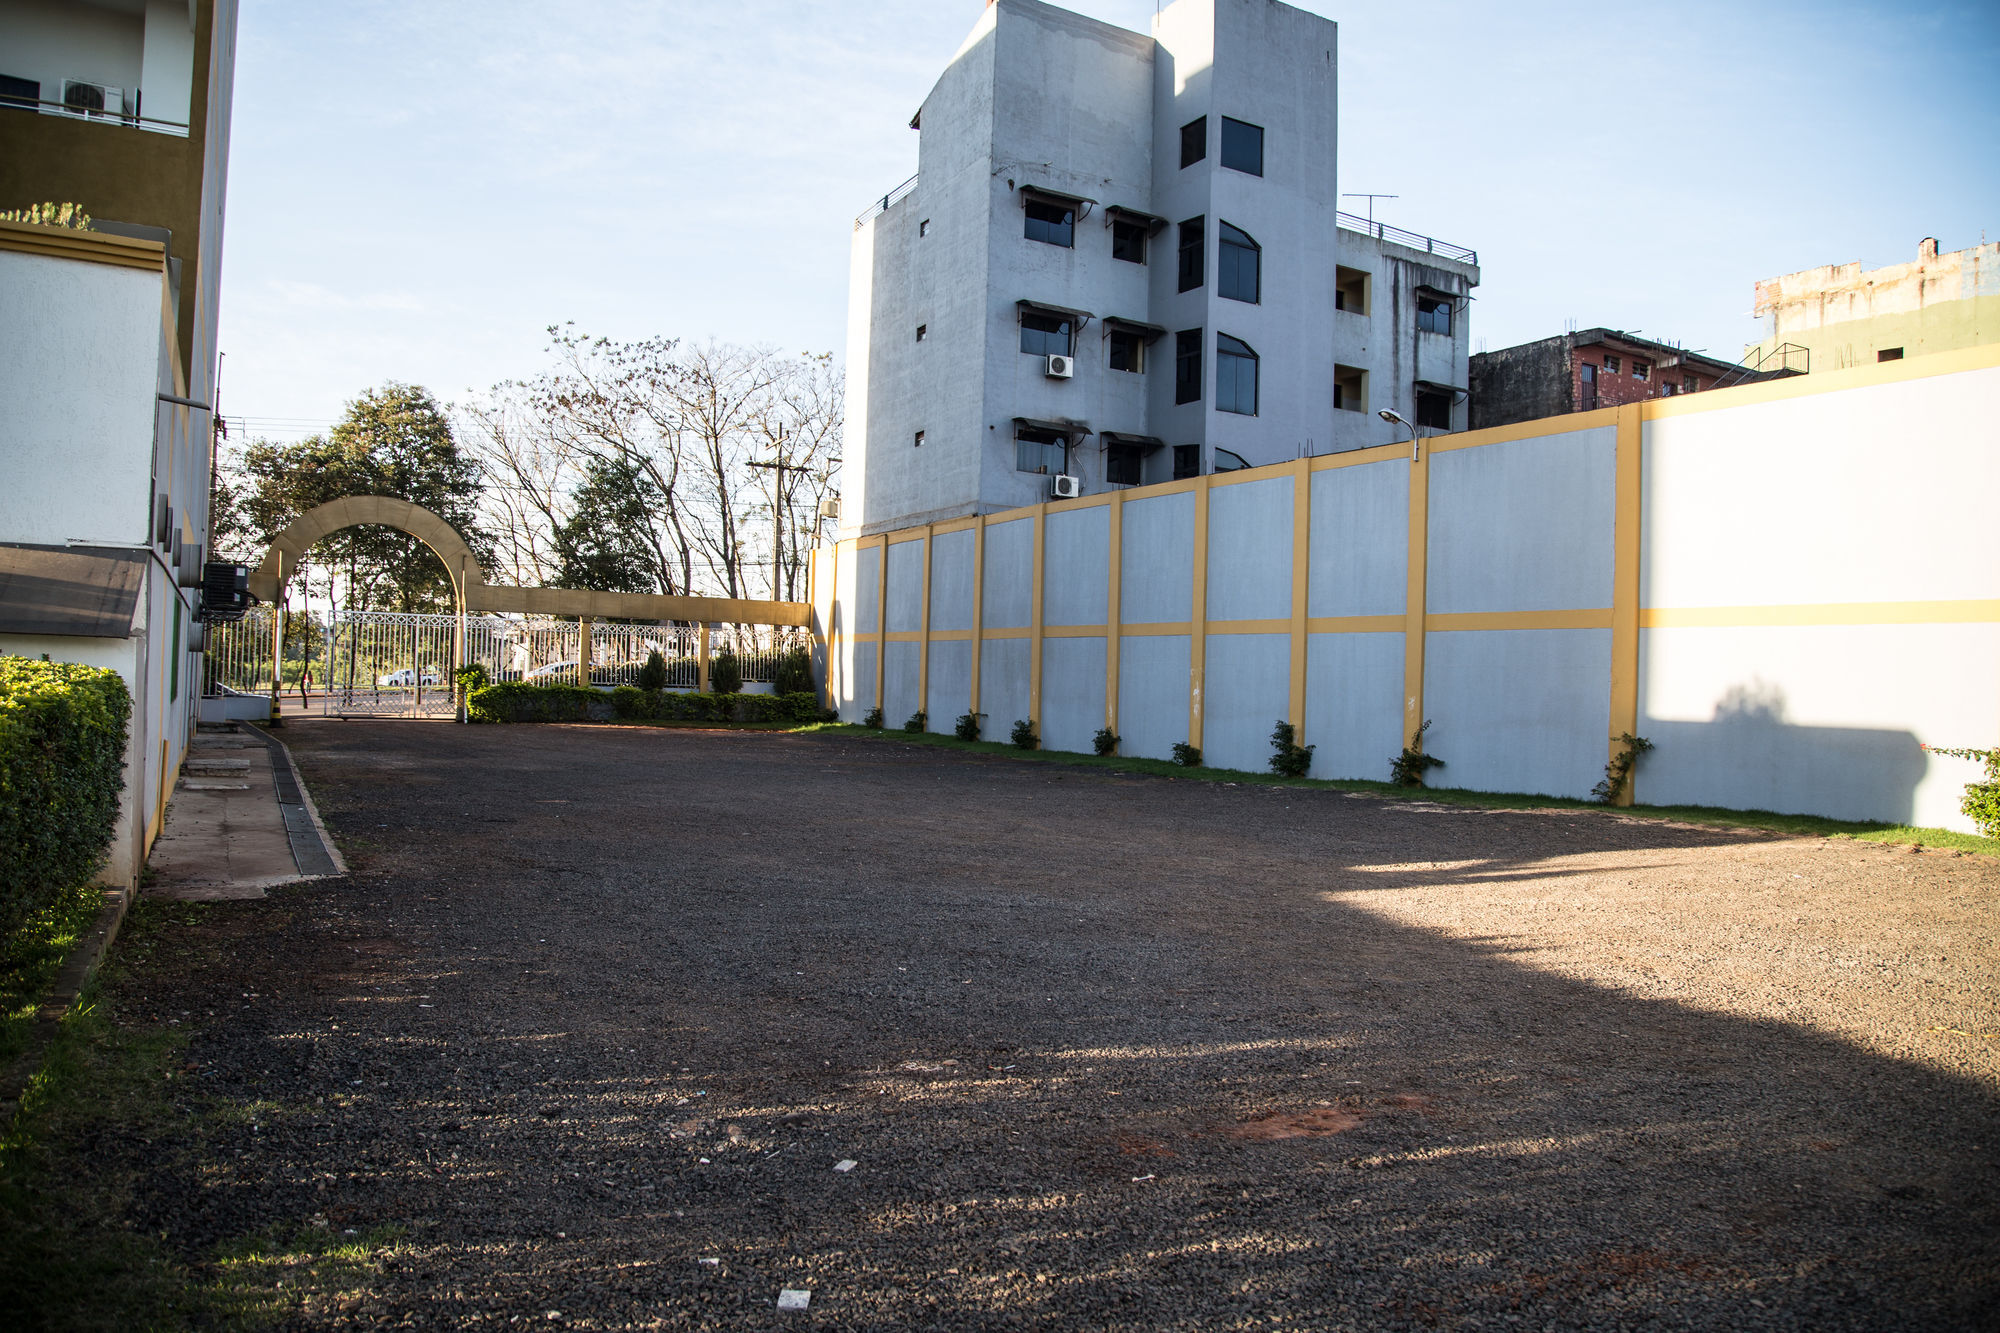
column 1397, row 419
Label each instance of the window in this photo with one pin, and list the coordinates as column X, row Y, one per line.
column 1052, row 224
column 1242, row 146
column 922, row 329
column 1641, row 369
column 1586, row 398
column 1191, row 254
column 1187, row 366
column 1128, row 242
column 1667, row 390
column 1350, row 290
column 1044, row 335
column 1238, row 264
column 924, row 228
column 1689, row 384
column 919, row 443
column 1350, row 388
column 19, row 92
column 1187, row 461
column 1433, row 409
column 1235, row 376
column 1128, row 351
column 1194, row 141
column 1042, row 451
column 1611, row 365
column 1433, row 314
column 1889, row 354
column 1121, row 464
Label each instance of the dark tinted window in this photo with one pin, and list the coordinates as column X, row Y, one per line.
column 1128, row 351
column 1433, row 410
column 1433, row 315
column 1242, row 146
column 1187, row 461
column 1194, row 141
column 1039, row 451
column 1054, row 224
column 1191, row 254
column 19, row 92
column 1121, row 464
column 1128, row 241
column 1187, row 366
column 1237, row 264
column 1235, row 376
column 1044, row 335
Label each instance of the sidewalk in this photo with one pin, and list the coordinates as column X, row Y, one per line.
column 239, row 822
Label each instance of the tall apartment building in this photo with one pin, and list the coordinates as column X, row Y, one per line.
column 1122, row 261
column 1839, row 315
column 108, row 376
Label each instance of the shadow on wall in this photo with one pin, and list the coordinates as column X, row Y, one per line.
column 1749, row 757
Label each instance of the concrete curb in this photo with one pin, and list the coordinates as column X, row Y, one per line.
column 313, row 849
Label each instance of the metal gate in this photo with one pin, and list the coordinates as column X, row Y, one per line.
column 387, row 664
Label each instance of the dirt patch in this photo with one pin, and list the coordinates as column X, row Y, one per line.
column 1319, row 1123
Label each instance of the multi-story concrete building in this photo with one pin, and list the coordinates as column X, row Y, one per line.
column 1838, row 315
column 107, row 435
column 1122, row 261
column 1580, row 372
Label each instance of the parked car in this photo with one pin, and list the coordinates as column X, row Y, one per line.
column 564, row 673
column 408, row 677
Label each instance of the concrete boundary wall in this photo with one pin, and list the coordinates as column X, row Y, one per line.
column 1788, row 587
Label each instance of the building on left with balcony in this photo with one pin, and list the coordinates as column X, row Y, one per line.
column 122, row 108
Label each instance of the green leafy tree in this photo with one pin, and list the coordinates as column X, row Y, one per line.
column 603, row 544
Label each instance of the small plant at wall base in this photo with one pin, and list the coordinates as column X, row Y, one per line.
column 1288, row 758
column 1408, row 768
column 1618, row 771
column 1981, row 803
column 793, row 673
column 1104, row 742
column 1023, row 735
column 725, row 673
column 470, row 678
column 653, row 675
column 872, row 718
column 968, row 726
column 917, row 722
column 1187, row 756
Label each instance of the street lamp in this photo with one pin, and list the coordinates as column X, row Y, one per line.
column 1397, row 419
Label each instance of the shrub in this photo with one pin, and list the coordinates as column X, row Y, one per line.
column 653, row 675
column 1407, row 769
column 470, row 678
column 1981, row 802
column 518, row 701
column 1289, row 759
column 1104, row 742
column 1023, row 735
column 62, row 766
column 793, row 673
column 873, row 718
column 1618, row 770
column 1187, row 756
column 71, row 216
column 967, row 728
column 917, row 722
column 635, row 705
column 725, row 673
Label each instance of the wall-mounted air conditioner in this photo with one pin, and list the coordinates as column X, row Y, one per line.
column 830, row 507
column 83, row 98
column 1067, row 487
column 1061, row 367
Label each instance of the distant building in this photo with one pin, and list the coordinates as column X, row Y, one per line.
column 1122, row 262
column 1838, row 315
column 109, row 375
column 1579, row 372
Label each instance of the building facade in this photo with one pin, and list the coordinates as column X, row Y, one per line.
column 106, row 444
column 1837, row 315
column 1122, row 261
column 1581, row 372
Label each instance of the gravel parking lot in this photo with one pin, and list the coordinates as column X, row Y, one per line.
column 600, row 1011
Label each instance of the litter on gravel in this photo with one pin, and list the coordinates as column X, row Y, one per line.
column 845, row 1164
column 791, row 1298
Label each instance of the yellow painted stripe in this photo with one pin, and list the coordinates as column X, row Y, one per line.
column 951, row 636
column 1035, row 621
column 1595, row 618
column 1080, row 502
column 1008, row 632
column 1273, row 626
column 1381, row 453
column 91, row 247
column 1984, row 357
column 1357, row 624
column 1540, row 428
column 954, row 525
column 1116, row 564
column 903, row 535
column 1973, row 611
column 1072, row 631
column 1301, row 570
column 1414, row 594
column 1625, row 587
column 924, row 653
column 1154, row 629
column 1198, row 616
column 978, row 607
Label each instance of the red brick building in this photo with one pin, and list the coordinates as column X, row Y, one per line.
column 1578, row 372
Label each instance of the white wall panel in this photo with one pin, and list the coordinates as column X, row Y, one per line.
column 1523, row 526
column 1076, row 570
column 1073, row 712
column 1248, row 692
column 951, row 682
column 1354, row 704
column 906, row 587
column 951, row 580
column 1010, row 574
column 1519, row 710
column 1152, row 695
column 1250, row 550
column 1003, row 684
column 1156, row 574
column 1360, row 541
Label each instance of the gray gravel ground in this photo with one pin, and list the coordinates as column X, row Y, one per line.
column 600, row 1010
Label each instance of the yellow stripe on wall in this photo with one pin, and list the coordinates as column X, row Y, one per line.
column 1972, row 611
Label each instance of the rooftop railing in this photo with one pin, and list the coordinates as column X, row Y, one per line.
column 885, row 203
column 1382, row 231
column 43, row 106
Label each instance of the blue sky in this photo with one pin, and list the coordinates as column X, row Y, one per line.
column 417, row 191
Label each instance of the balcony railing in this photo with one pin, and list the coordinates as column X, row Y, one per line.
column 1382, row 231
column 885, row 203
column 45, row 107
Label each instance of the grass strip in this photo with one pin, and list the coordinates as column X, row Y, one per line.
column 1803, row 826
column 30, row 957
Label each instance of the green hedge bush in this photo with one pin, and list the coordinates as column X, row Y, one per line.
column 62, row 767
column 518, row 701
column 635, row 705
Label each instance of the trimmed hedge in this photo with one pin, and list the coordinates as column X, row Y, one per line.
column 634, row 705
column 62, row 767
column 516, row 701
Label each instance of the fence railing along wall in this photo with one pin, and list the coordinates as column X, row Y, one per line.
column 1786, row 587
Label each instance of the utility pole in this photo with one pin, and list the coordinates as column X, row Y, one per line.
column 777, row 516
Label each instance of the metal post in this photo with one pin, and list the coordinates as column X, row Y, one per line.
column 701, row 661
column 583, row 651
column 278, row 644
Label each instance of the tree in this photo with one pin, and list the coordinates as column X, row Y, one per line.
column 602, row 544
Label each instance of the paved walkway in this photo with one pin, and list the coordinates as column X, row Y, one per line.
column 239, row 823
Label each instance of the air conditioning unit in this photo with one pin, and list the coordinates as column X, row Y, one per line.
column 1061, row 367
column 830, row 507
column 83, row 98
column 1067, row 487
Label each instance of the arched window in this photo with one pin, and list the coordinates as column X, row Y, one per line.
column 1240, row 261
column 1235, row 376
